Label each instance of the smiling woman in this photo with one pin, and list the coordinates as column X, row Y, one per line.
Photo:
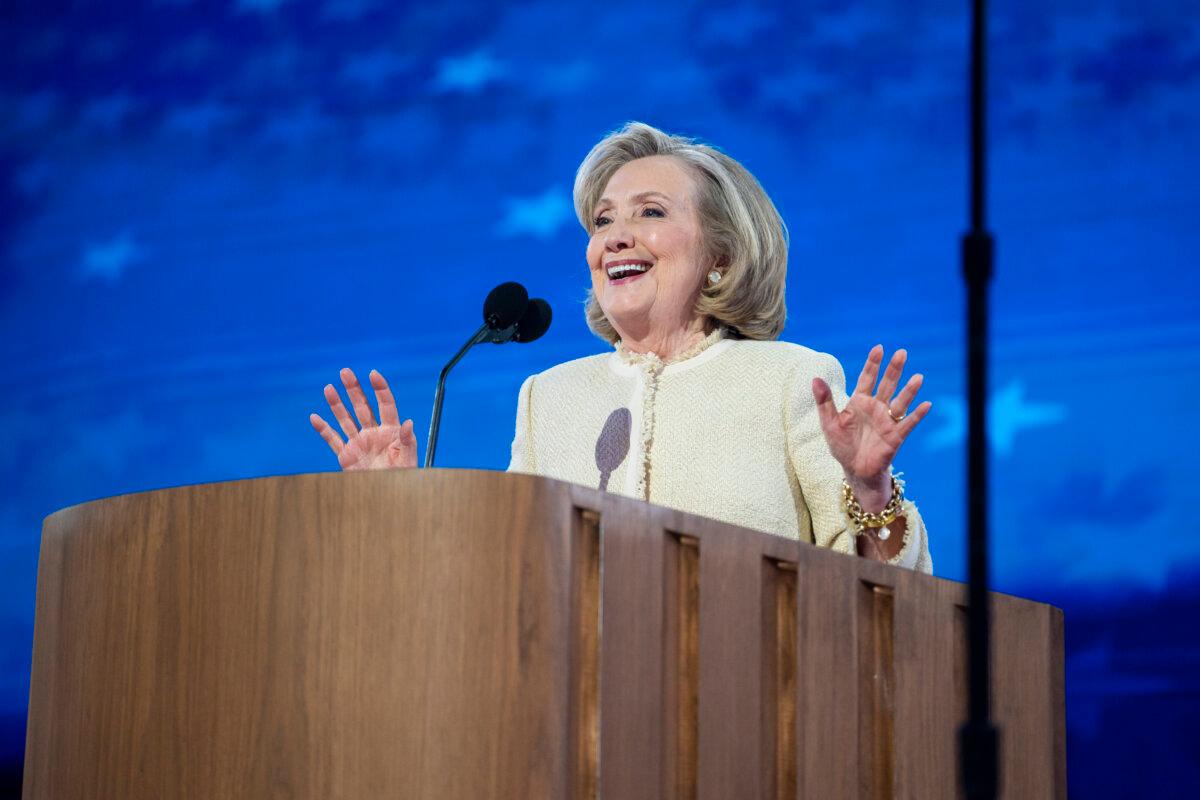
column 740, row 240
column 697, row 408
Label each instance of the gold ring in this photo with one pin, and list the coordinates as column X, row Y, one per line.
column 895, row 418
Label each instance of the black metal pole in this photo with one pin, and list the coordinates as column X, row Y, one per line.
column 978, row 739
column 439, row 394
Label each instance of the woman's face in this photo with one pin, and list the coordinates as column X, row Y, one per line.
column 646, row 253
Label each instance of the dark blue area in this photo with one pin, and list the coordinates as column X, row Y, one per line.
column 208, row 208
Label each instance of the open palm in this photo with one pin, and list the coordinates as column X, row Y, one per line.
column 387, row 444
column 865, row 435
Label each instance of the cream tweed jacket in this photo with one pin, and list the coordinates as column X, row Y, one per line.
column 729, row 430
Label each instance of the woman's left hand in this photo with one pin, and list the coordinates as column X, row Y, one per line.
column 865, row 435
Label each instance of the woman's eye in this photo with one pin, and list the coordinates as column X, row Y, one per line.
column 601, row 220
column 653, row 212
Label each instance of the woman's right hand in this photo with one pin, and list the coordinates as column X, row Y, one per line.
column 387, row 444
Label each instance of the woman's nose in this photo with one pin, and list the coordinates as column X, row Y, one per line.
column 618, row 236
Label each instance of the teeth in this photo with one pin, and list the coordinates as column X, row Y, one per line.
column 625, row 270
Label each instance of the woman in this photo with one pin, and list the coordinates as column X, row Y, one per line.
column 698, row 408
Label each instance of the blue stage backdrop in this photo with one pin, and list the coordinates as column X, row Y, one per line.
column 209, row 208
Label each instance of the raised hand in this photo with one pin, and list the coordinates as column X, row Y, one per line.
column 865, row 435
column 387, row 444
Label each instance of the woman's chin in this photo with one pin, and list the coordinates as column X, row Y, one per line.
column 627, row 315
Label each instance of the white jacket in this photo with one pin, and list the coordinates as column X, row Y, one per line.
column 728, row 431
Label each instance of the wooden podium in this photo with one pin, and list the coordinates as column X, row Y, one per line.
column 465, row 634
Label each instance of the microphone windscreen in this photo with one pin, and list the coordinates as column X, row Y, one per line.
column 504, row 305
column 534, row 322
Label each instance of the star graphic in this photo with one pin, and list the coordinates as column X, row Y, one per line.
column 540, row 216
column 108, row 261
column 469, row 73
column 1008, row 415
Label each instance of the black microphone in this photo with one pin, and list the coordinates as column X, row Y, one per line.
column 534, row 322
column 508, row 315
column 504, row 305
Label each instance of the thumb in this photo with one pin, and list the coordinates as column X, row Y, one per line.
column 407, row 437
column 823, row 396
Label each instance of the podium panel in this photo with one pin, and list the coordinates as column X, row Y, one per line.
column 469, row 634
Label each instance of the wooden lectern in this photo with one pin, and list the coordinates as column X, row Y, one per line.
column 464, row 634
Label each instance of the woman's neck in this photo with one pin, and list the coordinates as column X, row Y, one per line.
column 669, row 343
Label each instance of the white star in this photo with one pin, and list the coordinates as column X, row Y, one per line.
column 469, row 73
column 540, row 216
column 110, row 259
column 1008, row 415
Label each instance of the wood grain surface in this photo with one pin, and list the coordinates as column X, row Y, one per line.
column 466, row 634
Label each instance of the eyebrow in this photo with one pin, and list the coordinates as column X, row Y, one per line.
column 637, row 198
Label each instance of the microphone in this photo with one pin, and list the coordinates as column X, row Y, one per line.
column 508, row 315
column 504, row 305
column 534, row 322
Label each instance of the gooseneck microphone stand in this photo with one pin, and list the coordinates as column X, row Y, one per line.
column 480, row 336
column 978, row 737
column 508, row 316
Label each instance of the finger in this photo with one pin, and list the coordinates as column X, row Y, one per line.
column 407, row 437
column 899, row 406
column 908, row 423
column 339, row 411
column 358, row 398
column 870, row 370
column 404, row 447
column 327, row 433
column 891, row 375
column 823, row 396
column 383, row 396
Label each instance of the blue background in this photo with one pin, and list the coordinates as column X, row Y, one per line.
column 209, row 208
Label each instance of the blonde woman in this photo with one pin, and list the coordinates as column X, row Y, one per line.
column 698, row 406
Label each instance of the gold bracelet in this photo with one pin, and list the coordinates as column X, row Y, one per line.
column 861, row 520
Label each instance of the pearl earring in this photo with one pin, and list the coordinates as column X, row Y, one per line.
column 714, row 278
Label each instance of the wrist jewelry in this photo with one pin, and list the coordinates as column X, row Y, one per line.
column 861, row 520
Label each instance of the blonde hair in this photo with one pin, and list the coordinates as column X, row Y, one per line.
column 743, row 232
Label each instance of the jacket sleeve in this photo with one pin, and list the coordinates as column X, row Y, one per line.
column 819, row 475
column 522, row 459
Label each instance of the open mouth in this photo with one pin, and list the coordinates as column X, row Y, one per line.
column 626, row 271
